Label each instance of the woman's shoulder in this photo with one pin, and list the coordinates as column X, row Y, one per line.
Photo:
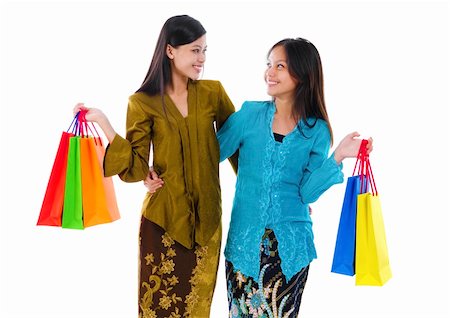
column 315, row 123
column 207, row 85
column 255, row 106
column 144, row 98
column 142, row 102
column 317, row 127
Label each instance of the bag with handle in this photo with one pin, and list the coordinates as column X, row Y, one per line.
column 344, row 251
column 108, row 184
column 52, row 205
column 372, row 266
column 81, row 196
column 72, row 217
column 95, row 197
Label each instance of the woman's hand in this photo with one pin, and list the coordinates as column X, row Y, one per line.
column 97, row 116
column 349, row 147
column 93, row 114
column 153, row 182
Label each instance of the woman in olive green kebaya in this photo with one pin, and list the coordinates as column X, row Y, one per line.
column 178, row 114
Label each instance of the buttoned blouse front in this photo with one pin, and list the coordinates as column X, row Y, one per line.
column 275, row 183
column 185, row 156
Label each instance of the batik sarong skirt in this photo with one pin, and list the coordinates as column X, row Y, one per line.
column 269, row 295
column 175, row 281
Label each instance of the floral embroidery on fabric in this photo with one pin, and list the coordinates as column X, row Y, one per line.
column 160, row 276
column 175, row 282
column 236, row 249
column 193, row 297
column 270, row 296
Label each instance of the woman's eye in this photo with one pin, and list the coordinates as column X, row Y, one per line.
column 196, row 50
column 280, row 66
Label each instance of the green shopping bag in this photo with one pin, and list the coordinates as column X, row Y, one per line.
column 72, row 216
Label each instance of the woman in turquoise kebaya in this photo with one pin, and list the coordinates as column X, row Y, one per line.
column 283, row 167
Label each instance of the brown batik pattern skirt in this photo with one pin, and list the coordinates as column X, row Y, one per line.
column 175, row 281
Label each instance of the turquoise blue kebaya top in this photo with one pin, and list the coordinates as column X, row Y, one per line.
column 275, row 183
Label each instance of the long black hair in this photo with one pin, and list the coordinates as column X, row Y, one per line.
column 177, row 30
column 305, row 65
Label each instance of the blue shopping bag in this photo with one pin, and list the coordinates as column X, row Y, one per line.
column 344, row 251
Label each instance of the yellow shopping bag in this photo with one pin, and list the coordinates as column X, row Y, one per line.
column 372, row 260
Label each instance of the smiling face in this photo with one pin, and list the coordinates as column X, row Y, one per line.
column 280, row 83
column 188, row 59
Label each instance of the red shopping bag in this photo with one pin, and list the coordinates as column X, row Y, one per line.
column 52, row 205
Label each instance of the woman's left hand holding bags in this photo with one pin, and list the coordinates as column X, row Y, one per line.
column 349, row 147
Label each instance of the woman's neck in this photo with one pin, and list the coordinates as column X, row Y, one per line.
column 178, row 86
column 284, row 120
column 284, row 108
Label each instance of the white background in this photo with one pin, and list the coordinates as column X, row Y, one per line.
column 386, row 67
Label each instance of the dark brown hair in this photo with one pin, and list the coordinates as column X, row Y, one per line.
column 305, row 66
column 177, row 30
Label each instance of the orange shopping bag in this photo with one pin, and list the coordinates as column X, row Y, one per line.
column 108, row 184
column 95, row 210
column 99, row 199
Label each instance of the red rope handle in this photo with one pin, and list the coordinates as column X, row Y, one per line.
column 362, row 153
column 82, row 121
column 86, row 127
column 365, row 170
column 371, row 178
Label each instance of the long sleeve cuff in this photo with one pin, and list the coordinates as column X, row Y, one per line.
column 117, row 156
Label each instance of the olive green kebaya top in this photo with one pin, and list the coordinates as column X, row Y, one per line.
column 185, row 156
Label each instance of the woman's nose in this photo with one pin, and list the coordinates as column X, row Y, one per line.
column 202, row 57
column 270, row 72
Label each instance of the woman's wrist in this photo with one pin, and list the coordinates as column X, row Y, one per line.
column 108, row 130
column 338, row 157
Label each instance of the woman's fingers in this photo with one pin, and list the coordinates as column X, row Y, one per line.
column 369, row 145
column 154, row 175
column 153, row 185
column 153, row 182
column 78, row 107
column 353, row 135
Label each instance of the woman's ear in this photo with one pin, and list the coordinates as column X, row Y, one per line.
column 169, row 51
